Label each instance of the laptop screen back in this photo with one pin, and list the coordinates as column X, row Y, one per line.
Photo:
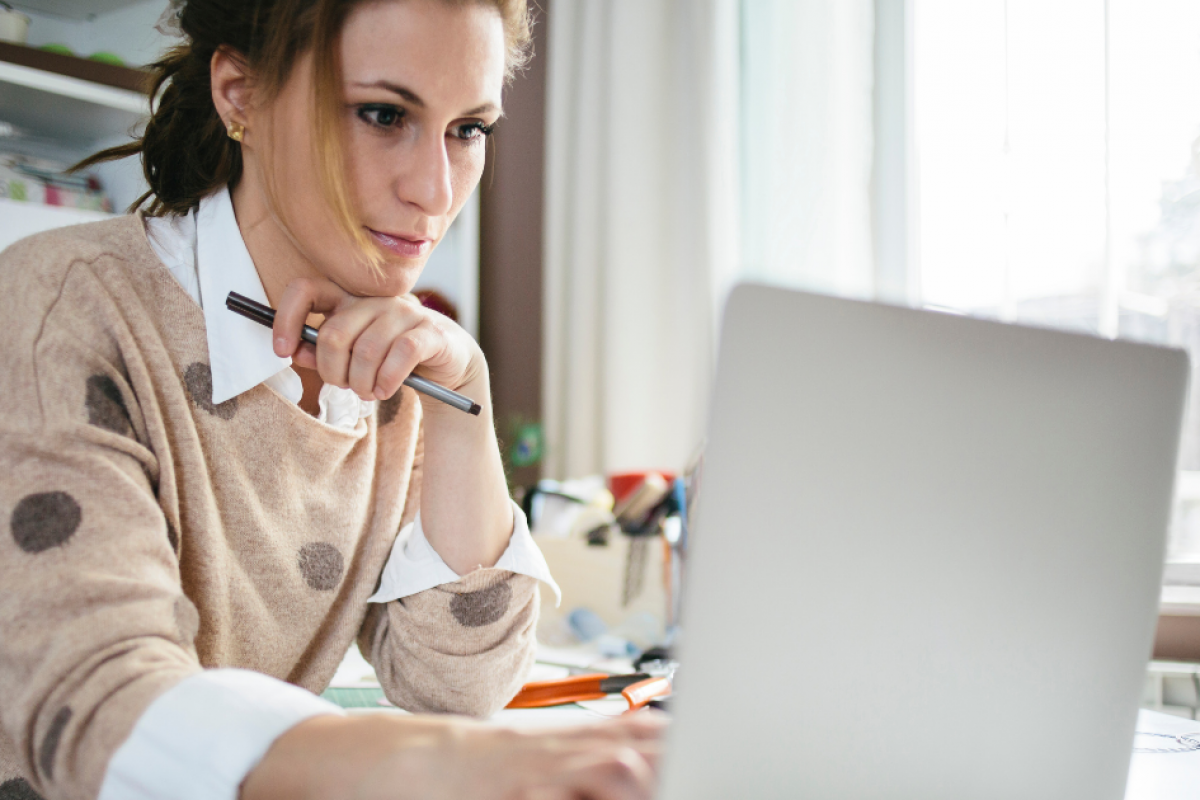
column 927, row 557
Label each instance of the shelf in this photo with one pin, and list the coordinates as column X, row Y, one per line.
column 71, row 9
column 71, row 101
column 83, row 69
column 18, row 220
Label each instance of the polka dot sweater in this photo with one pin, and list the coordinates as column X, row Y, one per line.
column 152, row 534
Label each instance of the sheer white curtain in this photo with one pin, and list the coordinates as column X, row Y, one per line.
column 806, row 119
column 641, row 226
column 690, row 143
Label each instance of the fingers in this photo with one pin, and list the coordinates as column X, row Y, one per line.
column 302, row 297
column 342, row 334
column 371, row 344
column 305, row 356
column 387, row 353
column 643, row 726
column 615, row 760
column 358, row 336
column 599, row 762
column 605, row 773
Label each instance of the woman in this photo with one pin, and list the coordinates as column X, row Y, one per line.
column 203, row 512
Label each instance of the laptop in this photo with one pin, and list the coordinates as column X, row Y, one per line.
column 926, row 559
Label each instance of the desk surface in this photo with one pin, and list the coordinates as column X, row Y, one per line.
column 1152, row 776
column 1164, row 776
column 367, row 700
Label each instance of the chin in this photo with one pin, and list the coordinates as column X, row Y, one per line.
column 392, row 279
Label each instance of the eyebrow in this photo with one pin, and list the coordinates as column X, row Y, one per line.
column 415, row 99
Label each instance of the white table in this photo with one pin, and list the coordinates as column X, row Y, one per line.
column 1164, row 776
column 1152, row 776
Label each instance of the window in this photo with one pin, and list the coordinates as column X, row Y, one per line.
column 1058, row 177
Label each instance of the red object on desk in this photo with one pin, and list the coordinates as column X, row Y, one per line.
column 622, row 483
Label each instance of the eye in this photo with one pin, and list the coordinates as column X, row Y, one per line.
column 473, row 131
column 381, row 115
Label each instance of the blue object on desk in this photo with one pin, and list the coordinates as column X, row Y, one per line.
column 586, row 624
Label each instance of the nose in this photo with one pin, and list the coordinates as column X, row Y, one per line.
column 426, row 183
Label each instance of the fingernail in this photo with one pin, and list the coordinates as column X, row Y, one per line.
column 280, row 345
column 380, row 394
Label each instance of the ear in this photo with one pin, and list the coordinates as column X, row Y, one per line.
column 230, row 78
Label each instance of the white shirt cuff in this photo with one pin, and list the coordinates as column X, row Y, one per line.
column 202, row 737
column 414, row 566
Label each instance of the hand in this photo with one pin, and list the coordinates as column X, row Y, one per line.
column 614, row 761
column 385, row 757
column 371, row 344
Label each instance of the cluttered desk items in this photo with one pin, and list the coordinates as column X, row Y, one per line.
column 945, row 557
column 619, row 545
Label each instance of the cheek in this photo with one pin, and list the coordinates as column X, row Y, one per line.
column 297, row 187
column 292, row 163
column 376, row 169
column 369, row 169
column 465, row 172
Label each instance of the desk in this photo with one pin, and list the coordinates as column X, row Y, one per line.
column 366, row 700
column 1152, row 776
column 1164, row 776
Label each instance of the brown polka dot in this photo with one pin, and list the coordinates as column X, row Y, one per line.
column 476, row 609
column 187, row 619
column 50, row 743
column 388, row 409
column 18, row 789
column 198, row 380
column 321, row 565
column 105, row 405
column 45, row 520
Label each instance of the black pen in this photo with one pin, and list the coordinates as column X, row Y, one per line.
column 265, row 315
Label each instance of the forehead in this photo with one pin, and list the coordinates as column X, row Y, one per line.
column 448, row 53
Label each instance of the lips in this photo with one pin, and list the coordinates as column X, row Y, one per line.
column 404, row 246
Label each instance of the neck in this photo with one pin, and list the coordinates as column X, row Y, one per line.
column 275, row 256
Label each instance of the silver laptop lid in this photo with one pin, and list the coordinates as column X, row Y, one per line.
column 927, row 557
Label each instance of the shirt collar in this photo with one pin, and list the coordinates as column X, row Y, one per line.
column 240, row 351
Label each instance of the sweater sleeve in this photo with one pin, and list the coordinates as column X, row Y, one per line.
column 463, row 647
column 415, row 566
column 93, row 621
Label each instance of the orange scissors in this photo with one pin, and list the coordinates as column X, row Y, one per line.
column 637, row 688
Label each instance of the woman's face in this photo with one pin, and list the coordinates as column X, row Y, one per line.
column 422, row 81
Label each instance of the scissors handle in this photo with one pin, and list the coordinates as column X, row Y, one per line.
column 642, row 692
column 560, row 691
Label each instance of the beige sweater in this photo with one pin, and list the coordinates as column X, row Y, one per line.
column 153, row 534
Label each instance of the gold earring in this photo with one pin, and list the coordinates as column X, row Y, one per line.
column 235, row 131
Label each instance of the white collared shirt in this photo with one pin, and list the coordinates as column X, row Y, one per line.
column 203, row 736
column 205, row 252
